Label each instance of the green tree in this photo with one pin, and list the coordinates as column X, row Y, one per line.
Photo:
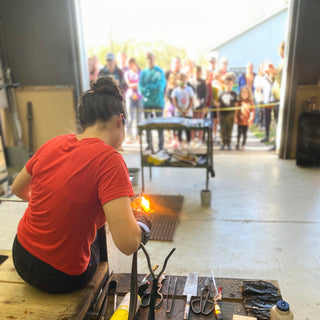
column 162, row 50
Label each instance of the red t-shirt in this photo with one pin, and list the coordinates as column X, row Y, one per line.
column 71, row 180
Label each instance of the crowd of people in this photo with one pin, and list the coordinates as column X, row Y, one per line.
column 189, row 90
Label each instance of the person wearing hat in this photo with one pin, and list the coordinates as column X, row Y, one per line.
column 111, row 68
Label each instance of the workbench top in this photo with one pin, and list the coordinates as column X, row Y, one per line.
column 232, row 302
column 18, row 300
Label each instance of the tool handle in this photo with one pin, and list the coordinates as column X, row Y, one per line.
column 187, row 308
column 217, row 311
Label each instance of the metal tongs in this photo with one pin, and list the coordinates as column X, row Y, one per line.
column 203, row 305
column 153, row 296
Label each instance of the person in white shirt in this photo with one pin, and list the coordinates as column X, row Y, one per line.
column 182, row 98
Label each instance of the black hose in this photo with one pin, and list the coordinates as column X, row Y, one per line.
column 134, row 288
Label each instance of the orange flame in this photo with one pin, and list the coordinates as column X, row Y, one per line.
column 145, row 204
column 141, row 203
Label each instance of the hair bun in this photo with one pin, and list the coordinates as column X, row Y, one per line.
column 106, row 85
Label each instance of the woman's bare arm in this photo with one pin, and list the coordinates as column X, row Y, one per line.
column 124, row 229
column 21, row 185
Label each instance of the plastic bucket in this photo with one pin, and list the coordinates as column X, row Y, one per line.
column 206, row 198
column 134, row 174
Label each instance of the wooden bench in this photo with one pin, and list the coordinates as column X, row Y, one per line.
column 19, row 300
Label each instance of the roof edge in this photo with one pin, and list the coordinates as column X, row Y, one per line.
column 246, row 29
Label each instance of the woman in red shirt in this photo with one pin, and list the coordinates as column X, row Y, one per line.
column 75, row 183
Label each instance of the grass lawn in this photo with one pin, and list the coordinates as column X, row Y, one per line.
column 260, row 133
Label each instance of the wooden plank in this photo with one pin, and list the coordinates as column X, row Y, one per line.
column 18, row 300
column 53, row 113
column 21, row 301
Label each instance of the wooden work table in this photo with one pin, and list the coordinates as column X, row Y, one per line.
column 232, row 298
column 18, row 300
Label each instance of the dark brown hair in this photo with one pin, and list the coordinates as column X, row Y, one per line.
column 103, row 100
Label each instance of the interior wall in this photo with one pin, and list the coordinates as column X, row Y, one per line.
column 308, row 46
column 41, row 42
column 302, row 68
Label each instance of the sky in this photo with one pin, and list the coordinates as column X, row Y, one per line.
column 194, row 25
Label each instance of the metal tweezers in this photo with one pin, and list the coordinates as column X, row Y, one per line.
column 168, row 310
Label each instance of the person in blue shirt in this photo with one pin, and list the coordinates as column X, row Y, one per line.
column 247, row 78
column 152, row 86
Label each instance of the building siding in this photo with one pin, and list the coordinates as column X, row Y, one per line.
column 257, row 44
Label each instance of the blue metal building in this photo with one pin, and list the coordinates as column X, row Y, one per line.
column 256, row 43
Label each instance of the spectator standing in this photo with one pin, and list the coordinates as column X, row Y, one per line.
column 133, row 97
column 210, row 77
column 93, row 65
column 175, row 67
column 212, row 68
column 123, row 62
column 182, row 97
column 227, row 99
column 214, row 89
column 187, row 68
column 247, row 78
column 277, row 85
column 171, row 78
column 171, row 85
column 258, row 95
column 267, row 83
column 112, row 69
column 244, row 116
column 223, row 67
column 152, row 84
column 200, row 96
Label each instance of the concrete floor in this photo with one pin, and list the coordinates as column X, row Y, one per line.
column 263, row 223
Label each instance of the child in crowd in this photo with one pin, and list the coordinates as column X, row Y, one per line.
column 227, row 99
column 244, row 116
column 182, row 98
column 133, row 98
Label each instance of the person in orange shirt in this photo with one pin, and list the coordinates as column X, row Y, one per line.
column 244, row 116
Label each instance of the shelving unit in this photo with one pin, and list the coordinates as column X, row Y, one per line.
column 178, row 124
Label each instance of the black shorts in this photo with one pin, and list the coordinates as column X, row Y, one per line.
column 46, row 278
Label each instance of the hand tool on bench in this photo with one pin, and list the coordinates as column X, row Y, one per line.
column 203, row 305
column 217, row 297
column 112, row 290
column 101, row 300
column 153, row 296
column 190, row 290
column 145, row 298
column 168, row 310
column 145, row 282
